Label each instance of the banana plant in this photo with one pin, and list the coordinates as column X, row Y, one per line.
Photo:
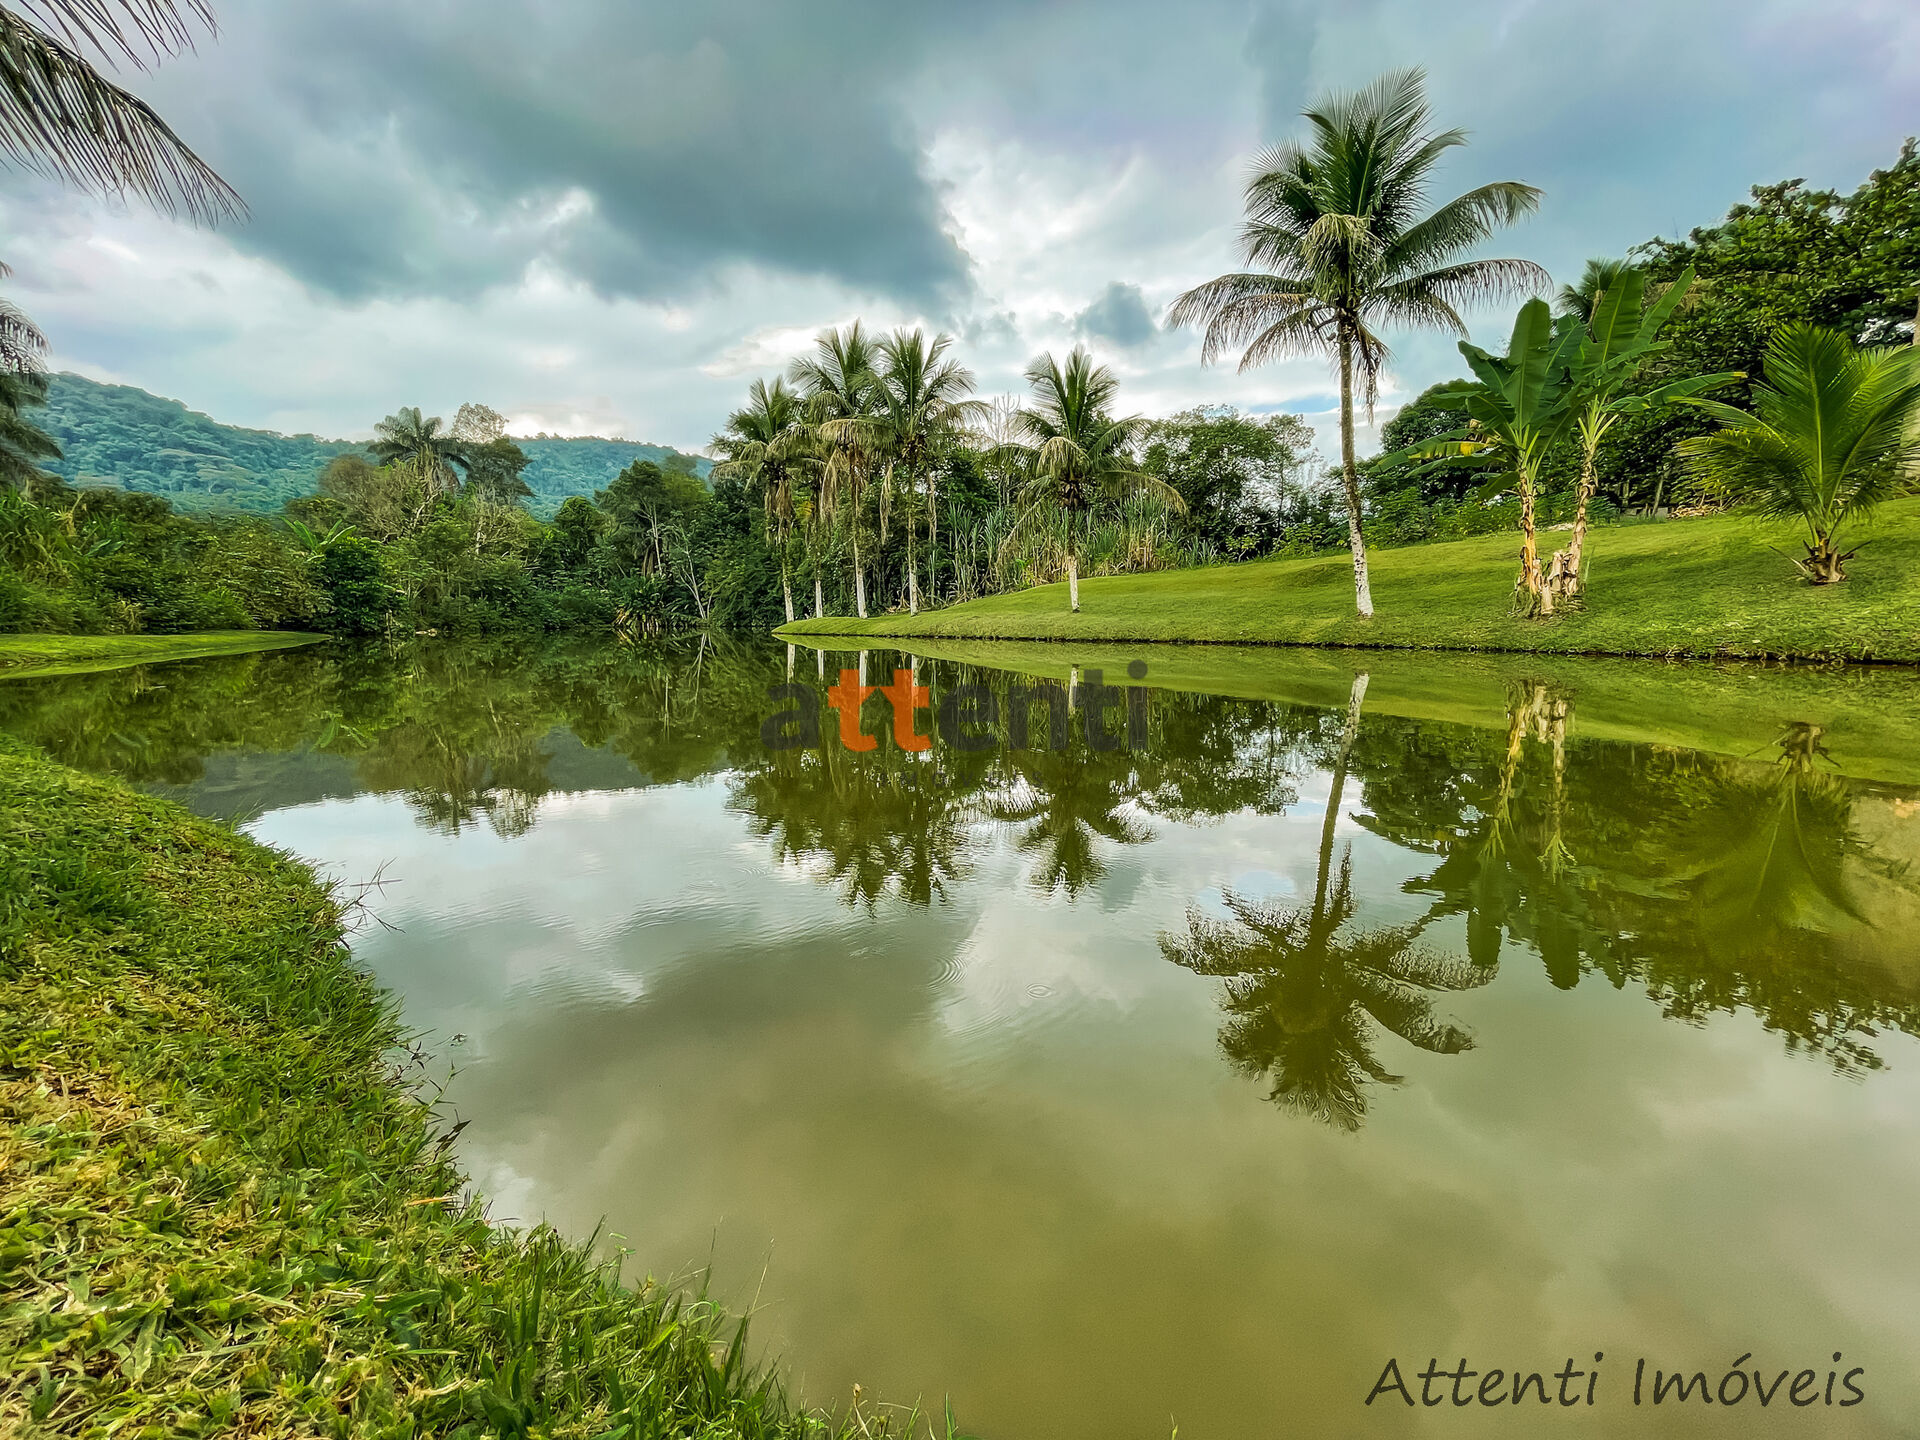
column 1618, row 338
column 1521, row 406
column 317, row 543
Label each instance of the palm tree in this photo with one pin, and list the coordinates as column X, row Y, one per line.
column 60, row 116
column 762, row 445
column 1075, row 453
column 1304, row 991
column 1832, row 434
column 22, row 346
column 1338, row 248
column 923, row 409
column 841, row 386
column 23, row 445
column 408, row 440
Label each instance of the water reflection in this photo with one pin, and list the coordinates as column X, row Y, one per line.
column 1712, row 882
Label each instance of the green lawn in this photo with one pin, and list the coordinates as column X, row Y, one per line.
column 225, row 1206
column 77, row 654
column 1703, row 588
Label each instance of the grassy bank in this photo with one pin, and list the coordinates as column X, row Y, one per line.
column 221, row 1209
column 1703, row 588
column 77, row 654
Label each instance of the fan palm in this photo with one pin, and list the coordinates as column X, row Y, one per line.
column 1338, row 248
column 1831, row 435
column 923, row 408
column 841, row 386
column 61, row 117
column 763, row 445
column 1075, row 454
column 408, row 440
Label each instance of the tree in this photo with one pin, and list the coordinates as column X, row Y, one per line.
column 1616, row 336
column 923, row 409
column 1339, row 248
column 406, row 438
column 1521, row 405
column 1075, row 454
column 23, row 445
column 764, row 446
column 1832, row 434
column 22, row 346
column 841, row 385
column 1231, row 470
column 494, row 473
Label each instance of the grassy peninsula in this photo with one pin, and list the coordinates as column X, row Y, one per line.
column 224, row 1210
column 76, row 654
column 1705, row 588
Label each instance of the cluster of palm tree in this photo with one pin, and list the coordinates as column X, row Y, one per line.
column 850, row 446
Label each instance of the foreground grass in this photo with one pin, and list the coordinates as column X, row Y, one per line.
column 77, row 654
column 1699, row 588
column 222, row 1212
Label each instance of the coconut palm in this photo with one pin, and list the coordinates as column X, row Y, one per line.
column 408, row 440
column 60, row 116
column 764, row 446
column 1075, row 455
column 22, row 346
column 841, row 385
column 1831, row 435
column 923, row 408
column 1337, row 249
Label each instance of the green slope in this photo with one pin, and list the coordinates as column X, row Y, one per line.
column 121, row 435
column 1705, row 588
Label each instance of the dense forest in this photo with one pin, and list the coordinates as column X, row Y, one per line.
column 120, row 435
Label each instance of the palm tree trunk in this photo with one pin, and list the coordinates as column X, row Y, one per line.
column 1073, row 581
column 859, row 575
column 933, row 538
column 1350, row 479
column 913, row 575
column 786, row 589
column 819, row 597
column 1356, row 697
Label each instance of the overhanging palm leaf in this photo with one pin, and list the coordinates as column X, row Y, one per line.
column 1339, row 248
column 61, row 117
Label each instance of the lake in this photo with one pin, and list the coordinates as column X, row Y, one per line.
column 1299, row 1012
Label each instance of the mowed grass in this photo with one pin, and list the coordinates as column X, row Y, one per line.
column 223, row 1211
column 77, row 654
column 1720, row 586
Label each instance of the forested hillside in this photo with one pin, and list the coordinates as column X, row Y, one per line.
column 121, row 435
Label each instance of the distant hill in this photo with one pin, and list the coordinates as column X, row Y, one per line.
column 121, row 435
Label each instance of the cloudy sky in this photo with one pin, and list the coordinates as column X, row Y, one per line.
column 606, row 217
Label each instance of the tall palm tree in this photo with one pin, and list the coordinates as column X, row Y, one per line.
column 61, row 117
column 1833, row 433
column 841, row 385
column 923, row 409
column 409, row 440
column 1075, row 454
column 763, row 445
column 1337, row 248
column 22, row 346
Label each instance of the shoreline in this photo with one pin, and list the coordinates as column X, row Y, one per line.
column 27, row 653
column 228, row 1196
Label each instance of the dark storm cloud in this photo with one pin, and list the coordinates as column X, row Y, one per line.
column 435, row 149
column 1119, row 316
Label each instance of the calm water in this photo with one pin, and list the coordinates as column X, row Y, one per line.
column 1464, row 1010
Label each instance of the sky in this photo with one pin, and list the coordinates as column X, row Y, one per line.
column 607, row 217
